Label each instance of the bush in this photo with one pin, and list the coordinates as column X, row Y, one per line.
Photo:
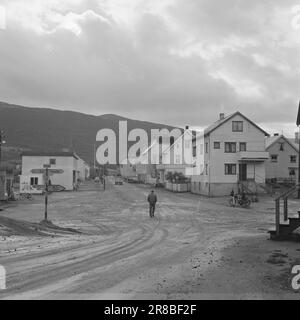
column 176, row 177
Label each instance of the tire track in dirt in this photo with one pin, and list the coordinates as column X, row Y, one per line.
column 60, row 269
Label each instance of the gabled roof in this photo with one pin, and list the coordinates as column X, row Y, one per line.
column 49, row 154
column 270, row 141
column 220, row 122
column 292, row 141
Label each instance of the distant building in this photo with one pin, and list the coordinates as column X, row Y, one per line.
column 233, row 153
column 72, row 168
column 282, row 166
column 174, row 157
column 128, row 171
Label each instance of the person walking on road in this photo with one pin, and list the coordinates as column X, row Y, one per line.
column 152, row 199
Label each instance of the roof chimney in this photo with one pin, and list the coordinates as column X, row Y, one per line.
column 276, row 134
column 296, row 137
column 222, row 116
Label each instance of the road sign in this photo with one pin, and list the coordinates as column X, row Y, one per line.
column 56, row 171
column 50, row 171
column 46, row 171
column 38, row 171
column 55, row 188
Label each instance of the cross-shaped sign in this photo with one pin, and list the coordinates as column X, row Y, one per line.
column 47, row 171
column 51, row 172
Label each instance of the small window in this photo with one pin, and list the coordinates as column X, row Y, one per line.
column 292, row 172
column 230, row 147
column 230, row 168
column 34, row 181
column 217, row 145
column 243, row 146
column 206, row 147
column 274, row 157
column 293, row 159
column 281, row 148
column 178, row 158
column 53, row 161
column 237, row 126
column 206, row 169
column 194, row 151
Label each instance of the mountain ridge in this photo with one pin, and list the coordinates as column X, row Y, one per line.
column 48, row 130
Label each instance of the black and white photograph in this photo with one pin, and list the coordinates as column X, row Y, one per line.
column 149, row 151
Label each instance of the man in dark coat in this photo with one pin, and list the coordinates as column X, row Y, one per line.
column 152, row 199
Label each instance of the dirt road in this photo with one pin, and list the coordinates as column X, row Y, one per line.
column 194, row 248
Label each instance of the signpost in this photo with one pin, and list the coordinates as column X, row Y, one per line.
column 48, row 188
column 46, row 166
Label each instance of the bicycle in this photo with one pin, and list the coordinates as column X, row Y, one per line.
column 25, row 196
column 237, row 200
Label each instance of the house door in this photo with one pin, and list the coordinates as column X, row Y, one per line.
column 243, row 171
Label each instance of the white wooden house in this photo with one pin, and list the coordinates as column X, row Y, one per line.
column 233, row 152
column 68, row 164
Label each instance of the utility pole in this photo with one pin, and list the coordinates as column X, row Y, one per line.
column 1, row 142
column 94, row 159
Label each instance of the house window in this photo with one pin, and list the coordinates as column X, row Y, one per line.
column 34, row 181
column 216, row 145
column 274, row 157
column 293, row 159
column 230, row 168
column 206, row 169
column 230, row 147
column 177, row 159
column 53, row 161
column 292, row 172
column 187, row 143
column 281, row 148
column 237, row 126
column 206, row 147
column 243, row 146
column 194, row 151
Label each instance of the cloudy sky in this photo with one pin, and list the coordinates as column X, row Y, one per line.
column 171, row 61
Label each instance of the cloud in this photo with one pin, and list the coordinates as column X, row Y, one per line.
column 178, row 62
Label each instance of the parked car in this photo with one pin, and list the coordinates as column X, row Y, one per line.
column 118, row 181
